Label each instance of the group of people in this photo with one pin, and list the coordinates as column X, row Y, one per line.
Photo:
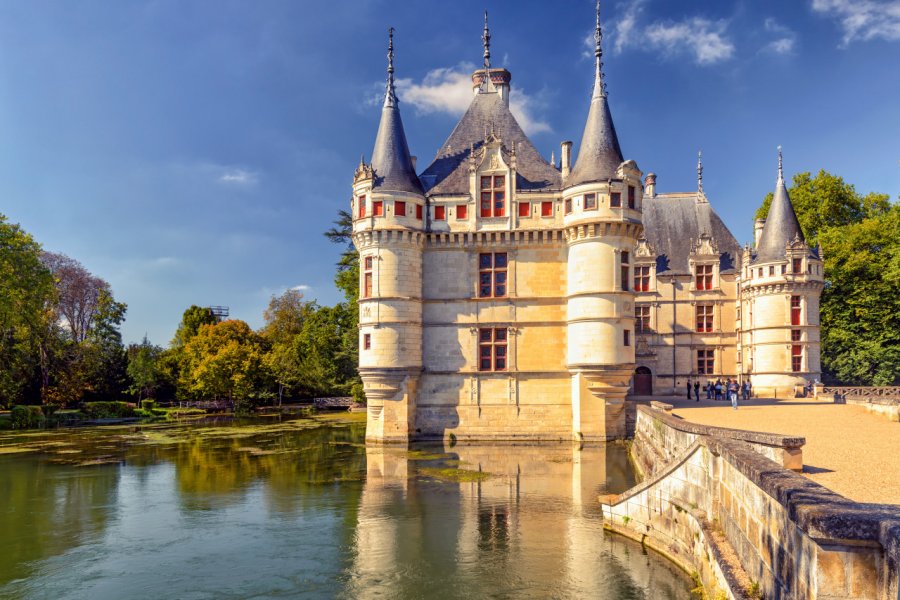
column 729, row 388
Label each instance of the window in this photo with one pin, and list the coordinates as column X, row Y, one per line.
column 760, row 272
column 795, row 335
column 771, row 270
column 367, row 277
column 492, row 349
column 795, row 310
column 626, row 338
column 362, row 206
column 546, row 209
column 797, row 265
column 378, row 209
column 704, row 318
column 524, row 209
column 399, row 208
column 492, row 275
column 641, row 319
column 493, row 196
column 419, row 211
column 615, row 199
column 590, row 201
column 624, row 258
column 796, row 358
column 462, row 211
column 631, row 195
column 367, row 341
column 706, row 362
column 568, row 205
column 642, row 279
column 703, row 275
column 440, row 213
column 783, row 269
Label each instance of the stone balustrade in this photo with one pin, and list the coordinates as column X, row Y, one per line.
column 882, row 400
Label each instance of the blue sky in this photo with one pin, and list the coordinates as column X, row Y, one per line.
column 194, row 152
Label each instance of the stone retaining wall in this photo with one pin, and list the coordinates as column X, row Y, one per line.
column 714, row 494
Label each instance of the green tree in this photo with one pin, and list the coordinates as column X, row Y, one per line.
column 144, row 368
column 284, row 319
column 860, row 305
column 193, row 318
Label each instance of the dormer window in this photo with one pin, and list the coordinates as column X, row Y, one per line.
column 631, row 196
column 362, row 206
column 797, row 265
column 703, row 275
column 615, row 199
column 493, row 195
column 642, row 278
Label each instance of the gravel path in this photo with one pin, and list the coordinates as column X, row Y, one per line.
column 848, row 449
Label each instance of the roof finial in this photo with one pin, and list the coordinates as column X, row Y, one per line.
column 390, row 97
column 700, row 172
column 486, row 38
column 599, row 88
column 780, row 168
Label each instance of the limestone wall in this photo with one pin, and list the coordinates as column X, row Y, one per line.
column 791, row 537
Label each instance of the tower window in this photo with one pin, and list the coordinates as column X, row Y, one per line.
column 492, row 348
column 795, row 310
column 703, row 276
column 641, row 319
column 524, row 209
column 440, row 213
column 399, row 208
column 462, row 211
column 378, row 209
column 492, row 275
column 590, row 201
column 795, row 335
column 642, row 279
column 706, row 362
column 367, row 341
column 783, row 269
column 625, row 273
column 615, row 199
column 797, row 265
column 771, row 270
column 568, row 205
column 626, row 337
column 631, row 195
column 760, row 272
column 796, row 358
column 704, row 314
column 367, row 277
column 362, row 206
column 419, row 211
column 493, row 196
column 546, row 209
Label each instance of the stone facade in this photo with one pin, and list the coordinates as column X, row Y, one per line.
column 505, row 297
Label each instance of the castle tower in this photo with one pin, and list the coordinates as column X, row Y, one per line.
column 781, row 284
column 602, row 221
column 388, row 232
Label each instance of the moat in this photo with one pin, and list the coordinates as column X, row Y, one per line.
column 302, row 508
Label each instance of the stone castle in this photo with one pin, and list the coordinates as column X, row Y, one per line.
column 503, row 297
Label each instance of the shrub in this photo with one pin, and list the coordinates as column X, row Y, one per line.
column 108, row 410
column 148, row 404
column 26, row 417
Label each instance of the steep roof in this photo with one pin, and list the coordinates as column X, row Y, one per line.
column 782, row 226
column 391, row 160
column 449, row 173
column 673, row 221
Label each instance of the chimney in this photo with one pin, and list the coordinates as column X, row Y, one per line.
column 566, row 158
column 413, row 160
column 499, row 83
column 650, row 185
column 757, row 230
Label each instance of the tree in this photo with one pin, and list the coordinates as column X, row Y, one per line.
column 226, row 361
column 144, row 368
column 193, row 318
column 284, row 319
column 78, row 294
column 860, row 305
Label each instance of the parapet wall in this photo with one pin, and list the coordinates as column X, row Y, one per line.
column 716, row 493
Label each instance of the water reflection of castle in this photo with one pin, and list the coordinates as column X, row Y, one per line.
column 533, row 527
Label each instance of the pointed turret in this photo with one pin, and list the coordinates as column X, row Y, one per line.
column 782, row 226
column 394, row 171
column 599, row 154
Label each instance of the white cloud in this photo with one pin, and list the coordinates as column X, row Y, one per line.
column 863, row 19
column 624, row 29
column 238, row 176
column 301, row 288
column 784, row 40
column 449, row 90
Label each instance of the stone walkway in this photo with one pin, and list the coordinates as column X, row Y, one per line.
column 848, row 449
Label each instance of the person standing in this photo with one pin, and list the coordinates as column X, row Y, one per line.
column 732, row 391
column 688, row 389
column 708, row 388
column 697, row 390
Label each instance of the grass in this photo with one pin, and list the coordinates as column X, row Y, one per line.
column 454, row 475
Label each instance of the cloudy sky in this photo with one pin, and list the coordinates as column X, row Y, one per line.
column 194, row 152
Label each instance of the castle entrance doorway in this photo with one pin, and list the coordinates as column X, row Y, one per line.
column 643, row 382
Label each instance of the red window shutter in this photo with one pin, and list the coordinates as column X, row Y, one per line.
column 546, row 209
column 440, row 213
column 524, row 209
column 362, row 206
column 419, row 211
column 462, row 211
column 399, row 209
column 378, row 208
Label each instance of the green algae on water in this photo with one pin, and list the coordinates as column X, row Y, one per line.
column 454, row 475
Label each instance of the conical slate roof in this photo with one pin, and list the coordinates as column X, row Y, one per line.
column 599, row 155
column 782, row 226
column 391, row 160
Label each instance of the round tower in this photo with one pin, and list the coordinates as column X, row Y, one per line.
column 602, row 218
column 781, row 285
column 388, row 231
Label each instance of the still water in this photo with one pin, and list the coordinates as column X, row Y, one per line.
column 302, row 509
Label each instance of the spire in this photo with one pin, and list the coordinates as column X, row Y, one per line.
column 390, row 157
column 599, row 155
column 486, row 40
column 782, row 226
column 700, row 173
